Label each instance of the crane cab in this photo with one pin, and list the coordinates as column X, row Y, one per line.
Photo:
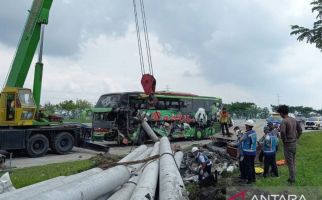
column 17, row 107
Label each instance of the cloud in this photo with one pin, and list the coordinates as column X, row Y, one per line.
column 238, row 50
column 117, row 69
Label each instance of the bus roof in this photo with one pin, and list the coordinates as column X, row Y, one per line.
column 167, row 94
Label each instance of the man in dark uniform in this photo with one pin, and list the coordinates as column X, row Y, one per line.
column 290, row 132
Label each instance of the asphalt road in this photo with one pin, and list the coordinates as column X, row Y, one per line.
column 76, row 154
column 83, row 154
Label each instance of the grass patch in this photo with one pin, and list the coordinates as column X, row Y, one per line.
column 308, row 163
column 30, row 175
column 193, row 189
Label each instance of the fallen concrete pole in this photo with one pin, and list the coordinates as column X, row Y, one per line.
column 38, row 188
column 170, row 181
column 6, row 184
column 147, row 184
column 97, row 185
column 132, row 156
column 178, row 156
column 145, row 154
column 149, row 131
column 126, row 190
column 91, row 187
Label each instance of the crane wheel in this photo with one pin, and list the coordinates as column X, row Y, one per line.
column 63, row 143
column 37, row 145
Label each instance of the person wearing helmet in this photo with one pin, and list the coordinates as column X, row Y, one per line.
column 248, row 142
column 204, row 164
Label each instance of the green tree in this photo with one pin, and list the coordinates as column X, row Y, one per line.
column 244, row 109
column 68, row 106
column 50, row 108
column 304, row 110
column 311, row 35
column 265, row 113
column 83, row 104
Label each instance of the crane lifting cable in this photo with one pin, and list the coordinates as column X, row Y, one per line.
column 148, row 81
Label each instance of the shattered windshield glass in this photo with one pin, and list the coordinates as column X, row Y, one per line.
column 108, row 101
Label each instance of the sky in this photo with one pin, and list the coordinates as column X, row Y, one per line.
column 237, row 50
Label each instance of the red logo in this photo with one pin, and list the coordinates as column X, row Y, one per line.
column 241, row 195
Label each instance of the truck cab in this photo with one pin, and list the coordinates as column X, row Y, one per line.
column 17, row 107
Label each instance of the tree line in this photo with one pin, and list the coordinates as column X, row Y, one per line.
column 301, row 110
column 68, row 108
column 247, row 110
column 251, row 110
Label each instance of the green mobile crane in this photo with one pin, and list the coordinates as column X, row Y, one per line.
column 20, row 127
column 18, row 106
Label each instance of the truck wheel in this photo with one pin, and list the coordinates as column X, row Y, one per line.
column 63, row 143
column 37, row 145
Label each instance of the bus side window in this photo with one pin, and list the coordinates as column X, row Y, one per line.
column 160, row 105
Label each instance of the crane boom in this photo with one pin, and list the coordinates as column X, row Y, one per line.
column 38, row 15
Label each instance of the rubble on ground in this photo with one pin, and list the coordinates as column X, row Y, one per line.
column 223, row 165
column 222, row 162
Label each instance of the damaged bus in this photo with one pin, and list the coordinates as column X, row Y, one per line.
column 176, row 115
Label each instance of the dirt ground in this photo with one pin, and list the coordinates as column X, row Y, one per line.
column 21, row 160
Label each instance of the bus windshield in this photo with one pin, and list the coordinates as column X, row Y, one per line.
column 108, row 101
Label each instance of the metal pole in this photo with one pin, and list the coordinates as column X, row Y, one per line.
column 41, row 45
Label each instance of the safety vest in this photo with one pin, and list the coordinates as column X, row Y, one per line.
column 249, row 144
column 203, row 159
column 223, row 117
column 270, row 144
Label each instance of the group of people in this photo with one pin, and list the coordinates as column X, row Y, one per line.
column 289, row 132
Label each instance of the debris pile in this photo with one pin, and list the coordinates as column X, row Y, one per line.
column 222, row 161
column 223, row 166
column 134, row 177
